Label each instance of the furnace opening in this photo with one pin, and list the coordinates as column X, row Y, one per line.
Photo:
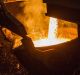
column 57, row 32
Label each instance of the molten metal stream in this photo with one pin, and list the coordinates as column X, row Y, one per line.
column 52, row 37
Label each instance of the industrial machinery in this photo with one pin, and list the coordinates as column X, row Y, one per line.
column 60, row 59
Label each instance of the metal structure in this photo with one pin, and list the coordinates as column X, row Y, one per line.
column 64, row 59
column 64, row 9
column 8, row 21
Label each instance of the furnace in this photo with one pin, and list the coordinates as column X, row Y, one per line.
column 41, row 39
column 42, row 29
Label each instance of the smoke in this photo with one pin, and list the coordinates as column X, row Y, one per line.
column 36, row 23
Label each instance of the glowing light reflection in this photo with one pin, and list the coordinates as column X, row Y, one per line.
column 52, row 39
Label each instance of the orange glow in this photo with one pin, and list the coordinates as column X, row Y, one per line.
column 42, row 29
column 52, row 35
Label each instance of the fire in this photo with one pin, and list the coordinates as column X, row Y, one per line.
column 52, row 35
column 40, row 29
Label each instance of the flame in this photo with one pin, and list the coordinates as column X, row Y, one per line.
column 35, row 25
column 52, row 36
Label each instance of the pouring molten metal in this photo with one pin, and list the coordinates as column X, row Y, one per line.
column 52, row 35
